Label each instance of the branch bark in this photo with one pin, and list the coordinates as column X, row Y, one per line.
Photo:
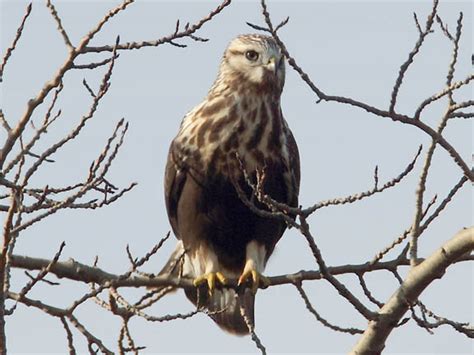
column 434, row 267
column 77, row 271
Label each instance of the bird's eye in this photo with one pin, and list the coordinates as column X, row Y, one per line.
column 251, row 55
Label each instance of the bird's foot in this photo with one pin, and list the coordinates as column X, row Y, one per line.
column 210, row 279
column 255, row 278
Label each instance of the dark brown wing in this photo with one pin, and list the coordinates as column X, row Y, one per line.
column 175, row 178
column 294, row 168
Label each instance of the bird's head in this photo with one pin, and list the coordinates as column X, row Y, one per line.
column 255, row 59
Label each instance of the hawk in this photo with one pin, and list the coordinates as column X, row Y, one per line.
column 237, row 128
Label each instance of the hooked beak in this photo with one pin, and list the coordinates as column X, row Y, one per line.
column 272, row 65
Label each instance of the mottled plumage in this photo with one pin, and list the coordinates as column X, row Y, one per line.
column 241, row 116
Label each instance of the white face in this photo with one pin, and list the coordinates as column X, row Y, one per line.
column 257, row 58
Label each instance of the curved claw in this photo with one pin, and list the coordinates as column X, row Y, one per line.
column 256, row 278
column 210, row 278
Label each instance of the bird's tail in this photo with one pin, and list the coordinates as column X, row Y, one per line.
column 174, row 265
column 172, row 268
column 232, row 311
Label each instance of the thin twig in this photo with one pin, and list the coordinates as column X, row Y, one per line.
column 94, row 65
column 444, row 28
column 41, row 275
column 12, row 47
column 187, row 32
column 449, row 89
column 343, row 291
column 320, row 319
column 54, row 82
column 69, row 336
column 357, row 197
column 367, row 292
column 4, row 122
column 251, row 327
column 88, row 335
column 404, row 67
column 61, row 29
column 45, row 124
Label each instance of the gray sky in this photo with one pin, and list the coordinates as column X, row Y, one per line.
column 349, row 48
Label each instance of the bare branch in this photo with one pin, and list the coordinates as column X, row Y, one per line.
column 125, row 333
column 452, row 65
column 404, row 67
column 343, row 291
column 93, row 65
column 41, row 275
column 4, row 261
column 61, row 29
column 88, row 335
column 70, row 340
column 282, row 23
column 251, row 327
column 187, row 32
column 427, row 222
column 46, row 123
column 76, row 271
column 464, row 328
column 258, row 28
column 419, row 277
column 320, row 319
column 137, row 263
column 53, row 83
column 61, row 313
column 415, row 229
column 417, row 23
column 150, row 298
column 4, row 122
column 441, row 94
column 460, row 105
column 465, row 115
column 360, row 196
column 46, row 281
column 88, row 88
column 92, row 182
column 12, row 47
column 367, row 292
column 51, row 310
column 444, row 28
column 443, row 203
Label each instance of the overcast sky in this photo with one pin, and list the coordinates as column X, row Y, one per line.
column 350, row 48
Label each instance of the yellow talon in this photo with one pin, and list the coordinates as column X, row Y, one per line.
column 257, row 279
column 210, row 279
column 221, row 278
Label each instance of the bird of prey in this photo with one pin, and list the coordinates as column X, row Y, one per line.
column 236, row 131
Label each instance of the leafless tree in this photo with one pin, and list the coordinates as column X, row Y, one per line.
column 25, row 205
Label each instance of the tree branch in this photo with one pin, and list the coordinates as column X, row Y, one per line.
column 76, row 271
column 19, row 32
column 16, row 132
column 419, row 277
column 187, row 32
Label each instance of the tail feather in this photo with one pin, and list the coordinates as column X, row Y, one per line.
column 174, row 264
column 172, row 268
column 225, row 306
